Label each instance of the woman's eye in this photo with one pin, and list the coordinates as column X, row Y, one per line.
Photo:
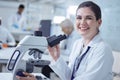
column 78, row 17
column 89, row 18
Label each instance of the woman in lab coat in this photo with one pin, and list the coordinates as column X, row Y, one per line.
column 91, row 58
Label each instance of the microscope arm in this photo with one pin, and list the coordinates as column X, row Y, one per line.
column 29, row 42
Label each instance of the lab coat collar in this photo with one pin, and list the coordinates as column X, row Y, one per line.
column 95, row 40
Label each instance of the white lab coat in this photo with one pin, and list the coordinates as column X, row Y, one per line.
column 6, row 36
column 17, row 22
column 69, row 43
column 96, row 65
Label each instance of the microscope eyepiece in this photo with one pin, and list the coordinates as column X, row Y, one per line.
column 54, row 40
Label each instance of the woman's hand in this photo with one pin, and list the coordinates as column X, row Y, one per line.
column 28, row 77
column 54, row 52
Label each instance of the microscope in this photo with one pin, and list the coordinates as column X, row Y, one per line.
column 33, row 45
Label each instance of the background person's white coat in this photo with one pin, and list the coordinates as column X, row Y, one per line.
column 17, row 22
column 6, row 37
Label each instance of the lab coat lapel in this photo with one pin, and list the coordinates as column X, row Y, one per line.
column 79, row 48
column 80, row 53
column 76, row 52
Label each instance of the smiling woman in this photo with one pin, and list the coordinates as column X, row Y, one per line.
column 91, row 58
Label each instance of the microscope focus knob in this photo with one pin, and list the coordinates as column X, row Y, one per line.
column 19, row 72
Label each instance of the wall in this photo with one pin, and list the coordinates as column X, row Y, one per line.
column 111, row 27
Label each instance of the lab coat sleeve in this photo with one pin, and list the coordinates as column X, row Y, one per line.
column 99, row 67
column 59, row 69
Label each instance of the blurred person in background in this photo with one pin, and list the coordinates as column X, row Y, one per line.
column 5, row 36
column 91, row 57
column 18, row 20
column 68, row 29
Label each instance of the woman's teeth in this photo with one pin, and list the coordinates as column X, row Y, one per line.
column 83, row 28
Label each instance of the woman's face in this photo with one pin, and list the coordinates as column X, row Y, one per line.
column 86, row 22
